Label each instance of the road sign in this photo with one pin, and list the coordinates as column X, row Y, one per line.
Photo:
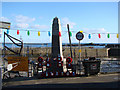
column 20, row 63
column 79, row 36
column 80, row 50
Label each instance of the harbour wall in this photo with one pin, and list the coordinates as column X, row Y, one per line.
column 85, row 51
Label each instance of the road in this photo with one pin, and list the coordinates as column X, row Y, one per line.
column 100, row 81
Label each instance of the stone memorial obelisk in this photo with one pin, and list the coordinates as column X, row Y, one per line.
column 56, row 46
column 56, row 39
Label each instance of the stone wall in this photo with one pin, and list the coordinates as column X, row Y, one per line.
column 86, row 52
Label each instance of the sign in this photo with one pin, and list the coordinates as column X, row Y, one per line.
column 80, row 50
column 94, row 66
column 79, row 36
column 20, row 63
column 4, row 25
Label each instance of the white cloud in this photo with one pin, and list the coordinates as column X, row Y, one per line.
column 23, row 19
column 25, row 22
column 94, row 30
column 65, row 21
column 4, row 19
column 21, row 25
column 37, row 26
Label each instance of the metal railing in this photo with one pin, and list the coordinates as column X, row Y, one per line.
column 110, row 66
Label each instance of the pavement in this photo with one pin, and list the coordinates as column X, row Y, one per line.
column 99, row 81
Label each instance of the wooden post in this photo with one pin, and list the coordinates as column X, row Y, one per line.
column 69, row 40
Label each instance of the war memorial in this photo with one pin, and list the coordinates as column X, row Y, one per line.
column 55, row 61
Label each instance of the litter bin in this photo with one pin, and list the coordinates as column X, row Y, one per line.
column 91, row 66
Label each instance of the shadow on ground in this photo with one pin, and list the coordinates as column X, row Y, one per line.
column 34, row 78
column 113, row 85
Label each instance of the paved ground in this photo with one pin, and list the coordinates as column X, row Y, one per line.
column 101, row 81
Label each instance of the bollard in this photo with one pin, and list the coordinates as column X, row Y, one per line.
column 0, row 78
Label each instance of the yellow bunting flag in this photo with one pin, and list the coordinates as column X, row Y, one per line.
column 117, row 35
column 38, row 33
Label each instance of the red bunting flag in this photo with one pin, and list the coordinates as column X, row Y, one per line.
column 60, row 34
column 99, row 35
column 17, row 32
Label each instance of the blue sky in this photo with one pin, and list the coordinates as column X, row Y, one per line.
column 89, row 17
